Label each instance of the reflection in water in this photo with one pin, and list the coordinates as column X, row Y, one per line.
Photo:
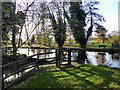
column 103, row 58
column 100, row 58
column 116, row 56
column 30, row 52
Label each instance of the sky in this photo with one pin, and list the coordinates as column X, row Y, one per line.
column 109, row 9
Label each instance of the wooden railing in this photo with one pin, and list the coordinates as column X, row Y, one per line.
column 25, row 63
column 29, row 63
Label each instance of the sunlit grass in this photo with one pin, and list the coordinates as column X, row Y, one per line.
column 79, row 76
column 89, row 45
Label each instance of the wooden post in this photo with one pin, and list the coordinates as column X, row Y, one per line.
column 37, row 55
column 59, row 57
column 45, row 53
column 78, row 58
column 2, row 79
column 37, row 61
column 69, row 56
column 17, row 69
column 56, row 58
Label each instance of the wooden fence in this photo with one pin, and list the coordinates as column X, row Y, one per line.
column 28, row 62
column 25, row 63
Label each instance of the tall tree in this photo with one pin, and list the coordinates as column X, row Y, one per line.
column 81, row 17
column 101, row 33
column 13, row 21
column 33, row 39
column 58, row 23
column 43, row 31
column 114, row 37
column 7, row 12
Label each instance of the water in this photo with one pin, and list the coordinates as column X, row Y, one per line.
column 110, row 60
column 30, row 52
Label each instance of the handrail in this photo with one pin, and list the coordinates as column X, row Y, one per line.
column 24, row 59
column 33, row 63
column 17, row 61
column 18, row 71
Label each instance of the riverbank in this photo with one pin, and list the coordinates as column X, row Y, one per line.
column 90, row 47
column 73, row 76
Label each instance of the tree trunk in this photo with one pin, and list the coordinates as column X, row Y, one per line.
column 81, row 57
column 60, row 44
column 13, row 41
column 83, row 44
column 103, row 42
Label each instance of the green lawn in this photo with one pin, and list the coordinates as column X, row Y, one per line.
column 74, row 76
column 89, row 45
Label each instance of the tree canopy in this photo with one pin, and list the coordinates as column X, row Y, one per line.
column 101, row 33
column 80, row 17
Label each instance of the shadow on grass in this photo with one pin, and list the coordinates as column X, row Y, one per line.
column 94, row 77
column 69, row 76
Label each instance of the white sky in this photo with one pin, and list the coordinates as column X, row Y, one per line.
column 109, row 9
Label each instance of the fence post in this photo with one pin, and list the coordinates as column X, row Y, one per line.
column 69, row 56
column 18, row 69
column 79, row 56
column 56, row 58
column 45, row 54
column 2, row 79
column 37, row 61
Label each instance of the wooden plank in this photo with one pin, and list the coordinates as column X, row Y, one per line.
column 6, row 65
column 14, row 82
column 46, row 53
column 24, row 68
column 24, row 59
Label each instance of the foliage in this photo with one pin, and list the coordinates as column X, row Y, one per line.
column 44, row 31
column 58, row 24
column 80, row 17
column 101, row 34
column 77, row 22
column 114, row 37
column 79, row 76
column 11, row 21
column 33, row 39
column 7, row 12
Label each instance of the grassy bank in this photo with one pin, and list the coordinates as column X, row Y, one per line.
column 89, row 45
column 74, row 76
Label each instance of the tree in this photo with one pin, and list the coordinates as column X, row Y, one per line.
column 58, row 23
column 114, row 37
column 80, row 17
column 7, row 12
column 33, row 39
column 44, row 30
column 101, row 33
column 13, row 22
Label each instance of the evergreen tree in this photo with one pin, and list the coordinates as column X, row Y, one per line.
column 80, row 17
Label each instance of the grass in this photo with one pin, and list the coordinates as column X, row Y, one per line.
column 74, row 76
column 89, row 45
